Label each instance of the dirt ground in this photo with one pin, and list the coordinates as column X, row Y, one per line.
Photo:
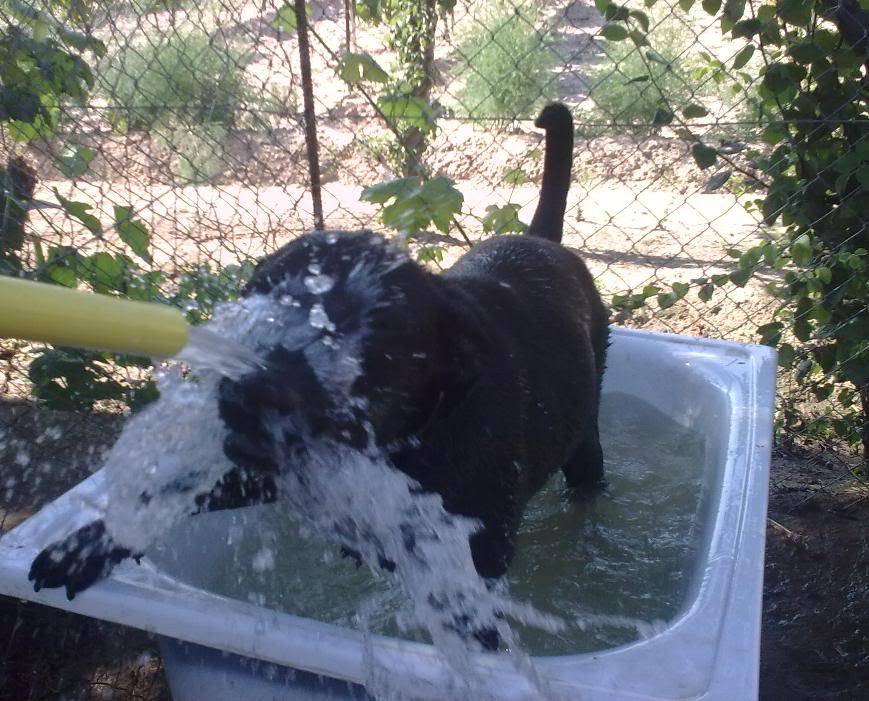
column 815, row 636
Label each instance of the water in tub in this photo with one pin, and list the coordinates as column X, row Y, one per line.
column 589, row 574
column 612, row 566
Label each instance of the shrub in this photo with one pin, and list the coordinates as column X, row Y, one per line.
column 629, row 88
column 197, row 150
column 505, row 63
column 191, row 78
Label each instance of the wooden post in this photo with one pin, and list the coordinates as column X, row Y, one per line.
column 310, row 117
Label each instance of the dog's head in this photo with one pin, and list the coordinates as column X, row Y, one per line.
column 363, row 344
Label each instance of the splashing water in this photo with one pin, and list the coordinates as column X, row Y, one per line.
column 613, row 567
column 207, row 350
column 172, row 451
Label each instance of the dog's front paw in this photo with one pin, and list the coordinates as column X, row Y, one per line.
column 77, row 561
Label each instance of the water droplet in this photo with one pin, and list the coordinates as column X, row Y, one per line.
column 319, row 284
column 263, row 560
column 318, row 318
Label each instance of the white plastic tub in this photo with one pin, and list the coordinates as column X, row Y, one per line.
column 236, row 650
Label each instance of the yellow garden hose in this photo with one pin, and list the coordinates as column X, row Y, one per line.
column 36, row 311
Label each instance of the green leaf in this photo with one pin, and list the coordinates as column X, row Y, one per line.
column 711, row 7
column 620, row 300
column 740, row 277
column 704, row 156
column 718, row 180
column 745, row 29
column 503, row 220
column 705, row 292
column 801, row 250
column 383, row 192
column 686, row 5
column 773, row 134
column 786, row 354
column 75, row 162
column 694, row 110
column 515, row 176
column 616, row 13
column 641, row 18
column 285, row 19
column 66, row 378
column 770, row 334
column 79, row 210
column 602, row 5
column 103, row 272
column 82, row 42
column 412, row 205
column 368, row 10
column 613, row 32
column 796, row 12
column 412, row 110
column 806, row 52
column 133, row 232
column 62, row 275
column 743, row 56
column 780, row 78
column 39, row 27
column 681, row 289
column 430, row 254
column 855, row 262
column 666, row 300
column 824, row 274
column 21, row 104
column 60, row 266
column 657, row 58
column 734, row 9
column 356, row 68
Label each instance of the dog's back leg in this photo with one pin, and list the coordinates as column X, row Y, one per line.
column 585, row 466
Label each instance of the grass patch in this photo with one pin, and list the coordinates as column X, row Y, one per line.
column 189, row 78
column 629, row 87
column 197, row 150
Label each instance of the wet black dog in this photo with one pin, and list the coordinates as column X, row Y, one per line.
column 478, row 383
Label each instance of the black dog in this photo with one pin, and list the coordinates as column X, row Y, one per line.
column 478, row 383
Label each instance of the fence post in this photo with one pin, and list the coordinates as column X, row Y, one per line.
column 349, row 24
column 310, row 117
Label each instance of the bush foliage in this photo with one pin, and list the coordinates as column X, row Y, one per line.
column 505, row 63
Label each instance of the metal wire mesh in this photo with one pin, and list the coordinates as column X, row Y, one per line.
column 197, row 128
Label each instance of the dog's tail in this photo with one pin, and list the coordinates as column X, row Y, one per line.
column 548, row 220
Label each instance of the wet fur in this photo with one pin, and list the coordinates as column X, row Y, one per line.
column 478, row 383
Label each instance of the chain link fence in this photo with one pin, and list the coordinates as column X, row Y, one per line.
column 204, row 135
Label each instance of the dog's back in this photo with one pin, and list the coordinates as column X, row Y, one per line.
column 532, row 407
